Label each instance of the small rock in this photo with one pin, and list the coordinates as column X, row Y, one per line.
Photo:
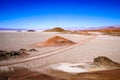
column 104, row 61
column 22, row 50
column 32, row 50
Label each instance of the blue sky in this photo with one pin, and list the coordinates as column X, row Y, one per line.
column 41, row 14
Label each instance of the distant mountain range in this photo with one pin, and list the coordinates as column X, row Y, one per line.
column 104, row 27
column 74, row 28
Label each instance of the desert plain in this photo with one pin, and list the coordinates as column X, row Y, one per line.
column 45, row 59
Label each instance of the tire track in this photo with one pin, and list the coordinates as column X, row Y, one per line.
column 50, row 53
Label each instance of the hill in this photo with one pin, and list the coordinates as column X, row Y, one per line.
column 55, row 41
column 56, row 29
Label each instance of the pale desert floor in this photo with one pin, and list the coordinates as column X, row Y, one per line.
column 99, row 46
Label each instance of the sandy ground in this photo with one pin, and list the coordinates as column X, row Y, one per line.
column 100, row 46
column 15, row 40
column 97, row 75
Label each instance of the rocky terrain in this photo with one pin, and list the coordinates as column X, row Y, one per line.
column 110, row 71
column 21, row 73
column 106, row 62
column 5, row 55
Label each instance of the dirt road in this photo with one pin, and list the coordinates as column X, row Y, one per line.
column 50, row 53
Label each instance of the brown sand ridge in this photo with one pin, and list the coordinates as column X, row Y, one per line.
column 99, row 75
column 55, row 41
column 21, row 73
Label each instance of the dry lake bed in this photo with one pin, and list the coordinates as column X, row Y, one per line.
column 58, row 60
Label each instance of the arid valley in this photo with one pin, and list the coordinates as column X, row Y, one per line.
column 59, row 56
column 59, row 39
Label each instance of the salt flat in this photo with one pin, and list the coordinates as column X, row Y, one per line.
column 18, row 40
column 100, row 46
